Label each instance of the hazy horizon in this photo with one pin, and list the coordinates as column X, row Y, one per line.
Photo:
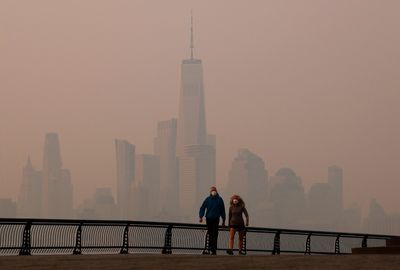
column 304, row 85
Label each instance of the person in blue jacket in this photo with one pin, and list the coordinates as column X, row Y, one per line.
column 215, row 207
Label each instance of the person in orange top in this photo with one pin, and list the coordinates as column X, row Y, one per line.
column 236, row 223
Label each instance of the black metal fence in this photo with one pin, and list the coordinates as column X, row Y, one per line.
column 55, row 236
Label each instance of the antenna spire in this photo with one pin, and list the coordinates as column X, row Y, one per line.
column 191, row 35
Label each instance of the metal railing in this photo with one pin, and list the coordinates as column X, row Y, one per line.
column 56, row 236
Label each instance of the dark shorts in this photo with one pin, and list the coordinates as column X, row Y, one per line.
column 237, row 228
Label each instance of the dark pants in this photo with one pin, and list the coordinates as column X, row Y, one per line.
column 212, row 228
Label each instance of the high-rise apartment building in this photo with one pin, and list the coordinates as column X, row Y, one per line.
column 165, row 149
column 57, row 191
column 125, row 155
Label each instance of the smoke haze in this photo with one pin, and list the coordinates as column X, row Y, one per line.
column 304, row 84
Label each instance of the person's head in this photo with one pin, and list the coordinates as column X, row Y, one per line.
column 213, row 191
column 236, row 200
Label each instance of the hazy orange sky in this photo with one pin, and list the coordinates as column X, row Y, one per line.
column 304, row 84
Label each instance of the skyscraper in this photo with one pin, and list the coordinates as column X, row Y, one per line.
column 335, row 180
column 146, row 188
column 165, row 149
column 320, row 206
column 248, row 177
column 288, row 198
column 57, row 190
column 196, row 176
column 30, row 193
column 196, row 157
column 192, row 116
column 125, row 155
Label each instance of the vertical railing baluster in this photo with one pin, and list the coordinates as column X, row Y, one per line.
column 168, row 241
column 78, row 241
column 125, row 242
column 308, row 245
column 337, row 244
column 277, row 243
column 26, row 240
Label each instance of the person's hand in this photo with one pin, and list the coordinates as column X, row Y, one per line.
column 201, row 220
column 247, row 224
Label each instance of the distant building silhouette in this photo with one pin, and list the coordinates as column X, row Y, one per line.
column 125, row 155
column 248, row 178
column 288, row 198
column 101, row 206
column 351, row 220
column 321, row 207
column 194, row 147
column 380, row 222
column 8, row 208
column 335, row 180
column 57, row 192
column 105, row 206
column 165, row 149
column 146, row 188
column 192, row 128
column 30, row 193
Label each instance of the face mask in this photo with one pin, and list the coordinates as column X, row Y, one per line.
column 235, row 201
column 213, row 193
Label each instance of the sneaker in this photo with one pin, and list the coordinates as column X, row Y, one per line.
column 229, row 251
column 205, row 252
column 241, row 252
column 213, row 253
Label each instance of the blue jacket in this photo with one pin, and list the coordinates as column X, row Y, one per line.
column 215, row 208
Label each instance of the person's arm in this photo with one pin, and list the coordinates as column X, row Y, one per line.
column 246, row 215
column 223, row 215
column 202, row 210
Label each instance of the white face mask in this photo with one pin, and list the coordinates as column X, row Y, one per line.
column 235, row 201
column 213, row 193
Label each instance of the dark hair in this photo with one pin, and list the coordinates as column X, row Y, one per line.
column 237, row 197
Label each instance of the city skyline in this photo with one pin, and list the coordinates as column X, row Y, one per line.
column 284, row 203
column 358, row 137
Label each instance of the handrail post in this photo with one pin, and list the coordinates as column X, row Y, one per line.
column 244, row 242
column 277, row 243
column 206, row 249
column 78, row 241
column 167, row 249
column 364, row 243
column 125, row 241
column 337, row 244
column 26, row 240
column 308, row 245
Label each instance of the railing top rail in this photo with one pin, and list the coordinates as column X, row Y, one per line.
column 77, row 222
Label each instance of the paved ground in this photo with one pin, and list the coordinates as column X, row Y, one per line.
column 166, row 262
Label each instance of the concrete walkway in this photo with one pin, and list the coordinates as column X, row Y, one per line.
column 197, row 262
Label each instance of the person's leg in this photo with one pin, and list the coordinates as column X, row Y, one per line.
column 231, row 237
column 210, row 234
column 231, row 241
column 216, row 233
column 210, row 226
column 214, row 242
